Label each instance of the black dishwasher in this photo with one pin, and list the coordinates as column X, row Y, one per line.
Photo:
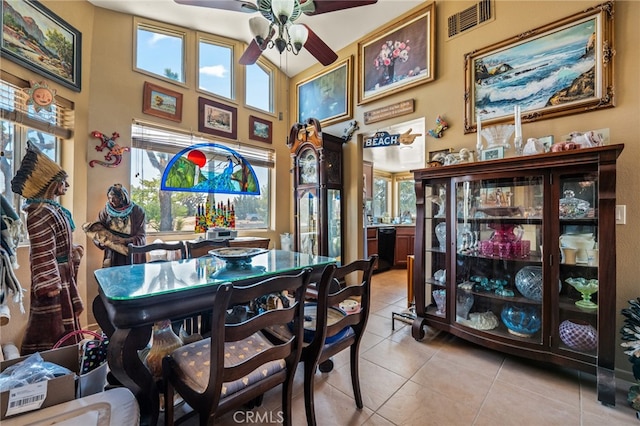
column 386, row 248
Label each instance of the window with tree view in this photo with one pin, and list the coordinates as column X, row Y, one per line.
column 168, row 211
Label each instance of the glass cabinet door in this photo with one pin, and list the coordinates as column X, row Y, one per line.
column 334, row 223
column 308, row 222
column 499, row 275
column 578, row 269
column 436, row 249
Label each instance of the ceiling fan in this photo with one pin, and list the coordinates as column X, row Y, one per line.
column 277, row 28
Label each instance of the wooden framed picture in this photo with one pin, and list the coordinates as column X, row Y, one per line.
column 161, row 102
column 217, row 119
column 327, row 96
column 493, row 153
column 562, row 68
column 259, row 129
column 39, row 40
column 398, row 56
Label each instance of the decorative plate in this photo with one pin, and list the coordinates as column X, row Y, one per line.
column 501, row 211
column 237, row 255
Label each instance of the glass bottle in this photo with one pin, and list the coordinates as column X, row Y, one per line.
column 163, row 342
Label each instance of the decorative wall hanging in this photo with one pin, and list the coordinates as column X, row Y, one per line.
column 398, row 56
column 562, row 68
column 217, row 119
column 438, row 131
column 389, row 111
column 259, row 129
column 161, row 102
column 348, row 132
column 38, row 39
column 40, row 96
column 115, row 151
column 211, row 168
column 327, row 96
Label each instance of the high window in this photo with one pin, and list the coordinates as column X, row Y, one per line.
column 160, row 52
column 171, row 211
column 19, row 123
column 259, row 86
column 215, row 68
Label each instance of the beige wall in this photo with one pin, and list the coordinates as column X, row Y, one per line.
column 111, row 98
column 444, row 96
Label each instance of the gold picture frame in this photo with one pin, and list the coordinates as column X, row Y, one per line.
column 327, row 96
column 562, row 68
column 386, row 65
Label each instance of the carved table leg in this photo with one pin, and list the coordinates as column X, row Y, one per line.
column 126, row 365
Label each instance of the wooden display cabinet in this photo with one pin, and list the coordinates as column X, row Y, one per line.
column 495, row 255
column 318, row 194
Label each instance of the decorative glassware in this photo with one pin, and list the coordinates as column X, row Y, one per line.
column 529, row 282
column 498, row 135
column 464, row 302
column 586, row 288
column 521, row 320
column 571, row 207
column 441, row 234
column 578, row 335
column 440, row 297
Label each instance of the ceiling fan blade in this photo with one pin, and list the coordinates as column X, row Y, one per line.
column 251, row 54
column 324, row 6
column 233, row 5
column 319, row 49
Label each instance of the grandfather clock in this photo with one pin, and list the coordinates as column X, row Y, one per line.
column 318, row 191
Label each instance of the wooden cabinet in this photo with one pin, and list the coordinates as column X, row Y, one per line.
column 405, row 240
column 489, row 269
column 318, row 194
column 372, row 243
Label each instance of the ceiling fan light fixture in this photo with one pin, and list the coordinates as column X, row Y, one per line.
column 283, row 9
column 298, row 36
column 260, row 30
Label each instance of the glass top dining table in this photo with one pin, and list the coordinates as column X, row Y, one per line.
column 132, row 297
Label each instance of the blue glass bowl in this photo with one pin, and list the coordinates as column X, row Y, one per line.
column 521, row 320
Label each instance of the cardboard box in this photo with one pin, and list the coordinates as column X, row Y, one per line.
column 59, row 390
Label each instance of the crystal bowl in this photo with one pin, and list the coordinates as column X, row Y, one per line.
column 578, row 335
column 529, row 282
column 521, row 320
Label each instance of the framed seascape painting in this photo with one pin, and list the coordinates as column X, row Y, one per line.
column 327, row 96
column 398, row 56
column 259, row 129
column 217, row 119
column 161, row 102
column 39, row 40
column 562, row 68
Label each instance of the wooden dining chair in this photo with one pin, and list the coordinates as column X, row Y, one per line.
column 147, row 249
column 239, row 362
column 335, row 331
column 202, row 247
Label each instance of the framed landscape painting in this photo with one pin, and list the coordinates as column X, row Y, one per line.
column 161, row 102
column 39, row 40
column 398, row 56
column 259, row 129
column 562, row 68
column 217, row 119
column 327, row 95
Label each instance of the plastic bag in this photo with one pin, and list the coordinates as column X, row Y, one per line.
column 32, row 370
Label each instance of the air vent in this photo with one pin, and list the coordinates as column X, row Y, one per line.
column 470, row 17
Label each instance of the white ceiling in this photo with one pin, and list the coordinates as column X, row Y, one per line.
column 336, row 29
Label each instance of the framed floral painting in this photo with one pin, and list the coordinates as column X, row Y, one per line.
column 398, row 56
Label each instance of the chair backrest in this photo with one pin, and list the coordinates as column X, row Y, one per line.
column 177, row 246
column 202, row 247
column 223, row 331
column 357, row 277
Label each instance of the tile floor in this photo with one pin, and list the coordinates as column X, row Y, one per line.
column 441, row 380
